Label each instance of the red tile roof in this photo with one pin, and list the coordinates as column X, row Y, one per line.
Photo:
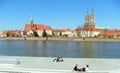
column 4, row 32
column 15, row 31
column 59, row 30
column 43, row 27
column 26, row 30
column 109, row 33
column 63, row 30
column 36, row 27
column 86, row 29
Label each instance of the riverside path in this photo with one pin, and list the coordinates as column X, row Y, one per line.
column 19, row 64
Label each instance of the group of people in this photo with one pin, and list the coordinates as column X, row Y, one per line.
column 58, row 59
column 84, row 69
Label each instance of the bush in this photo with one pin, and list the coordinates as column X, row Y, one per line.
column 35, row 34
column 44, row 34
column 65, row 35
column 49, row 35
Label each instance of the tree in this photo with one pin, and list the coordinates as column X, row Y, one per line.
column 60, row 34
column 24, row 33
column 44, row 34
column 8, row 33
column 35, row 34
column 53, row 33
column 65, row 35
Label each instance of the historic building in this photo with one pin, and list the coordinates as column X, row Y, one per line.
column 32, row 28
column 89, row 20
column 89, row 29
column 64, row 32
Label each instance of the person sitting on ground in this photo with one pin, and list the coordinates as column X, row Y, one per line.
column 58, row 59
column 61, row 59
column 84, row 69
column 54, row 60
column 87, row 67
column 80, row 69
column 75, row 68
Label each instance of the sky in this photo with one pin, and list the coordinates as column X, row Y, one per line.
column 59, row 14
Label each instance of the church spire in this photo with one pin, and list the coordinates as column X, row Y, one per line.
column 92, row 10
column 31, row 21
column 87, row 12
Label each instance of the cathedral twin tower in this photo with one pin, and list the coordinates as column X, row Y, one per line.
column 89, row 20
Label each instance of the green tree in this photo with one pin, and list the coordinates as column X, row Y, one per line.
column 44, row 34
column 60, row 34
column 24, row 33
column 35, row 34
column 65, row 35
column 53, row 33
column 10, row 34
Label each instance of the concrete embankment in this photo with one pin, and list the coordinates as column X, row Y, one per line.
column 16, row 64
column 64, row 39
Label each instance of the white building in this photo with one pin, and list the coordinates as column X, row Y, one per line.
column 83, row 32
column 40, row 32
column 62, row 32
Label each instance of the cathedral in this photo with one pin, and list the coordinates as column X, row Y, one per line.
column 89, row 20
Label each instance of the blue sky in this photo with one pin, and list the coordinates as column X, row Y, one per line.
column 59, row 14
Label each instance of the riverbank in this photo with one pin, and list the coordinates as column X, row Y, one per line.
column 64, row 39
column 19, row 64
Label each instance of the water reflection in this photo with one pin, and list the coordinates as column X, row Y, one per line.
column 88, row 49
column 60, row 48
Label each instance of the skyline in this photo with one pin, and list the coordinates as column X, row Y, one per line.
column 59, row 14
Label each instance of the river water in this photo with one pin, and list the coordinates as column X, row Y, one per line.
column 71, row 49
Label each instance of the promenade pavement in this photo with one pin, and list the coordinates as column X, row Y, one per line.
column 17, row 64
